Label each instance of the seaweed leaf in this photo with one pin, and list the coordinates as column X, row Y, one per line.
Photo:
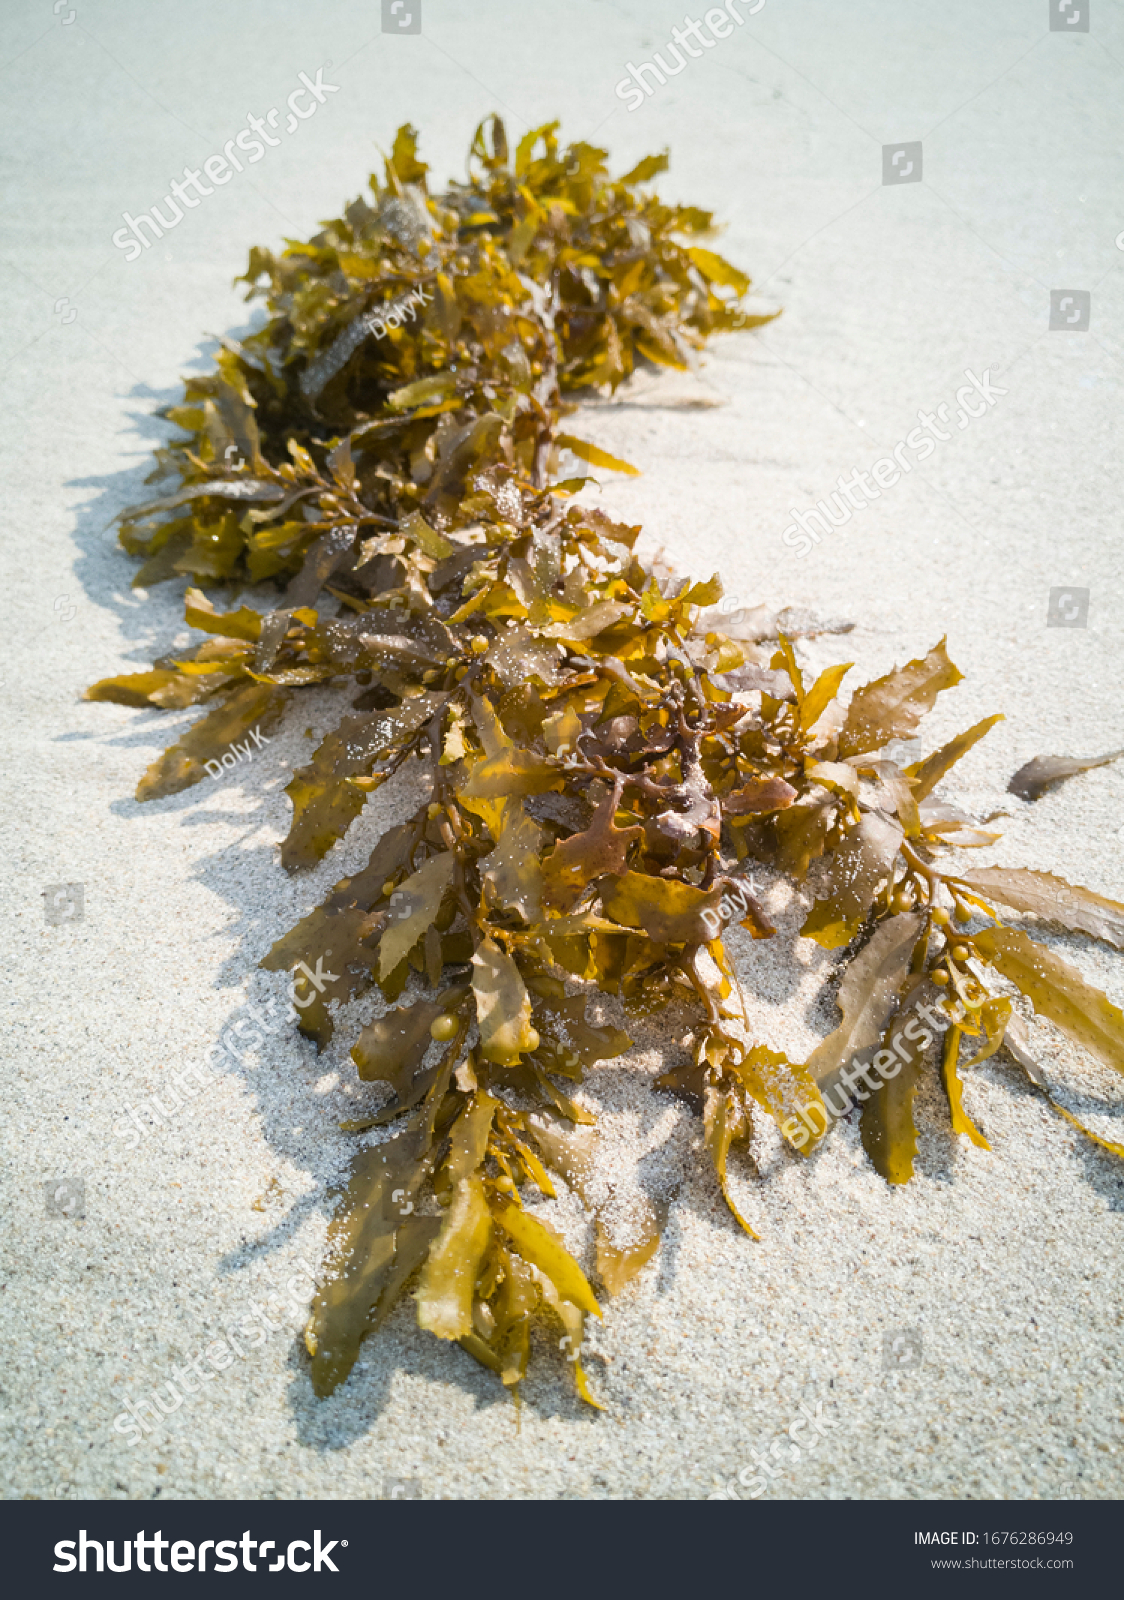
column 342, row 931
column 928, row 773
column 503, row 1006
column 514, row 869
column 618, row 1267
column 245, row 623
column 324, row 803
column 542, row 1247
column 788, row 1093
column 599, row 851
column 667, row 911
column 248, row 707
column 887, row 1128
column 869, row 987
column 448, row 1281
column 892, row 706
column 725, row 1122
column 1057, row 991
column 380, row 1194
column 391, row 1049
column 821, row 694
column 950, row 1076
column 419, row 900
column 862, row 862
column 1052, row 898
column 1033, row 779
column 594, row 455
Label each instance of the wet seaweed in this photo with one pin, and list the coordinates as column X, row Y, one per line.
column 389, row 451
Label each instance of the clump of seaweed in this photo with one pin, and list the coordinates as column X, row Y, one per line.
column 602, row 760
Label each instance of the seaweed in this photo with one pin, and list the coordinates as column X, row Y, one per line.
column 1042, row 773
column 602, row 758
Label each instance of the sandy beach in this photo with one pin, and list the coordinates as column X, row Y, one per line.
column 955, row 1338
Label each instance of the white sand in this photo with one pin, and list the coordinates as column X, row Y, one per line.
column 1009, row 1262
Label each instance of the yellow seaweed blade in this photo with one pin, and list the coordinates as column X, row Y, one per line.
column 448, row 1281
column 543, row 1249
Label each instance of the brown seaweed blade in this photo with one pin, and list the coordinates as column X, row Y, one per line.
column 1052, row 898
column 324, row 803
column 338, row 940
column 892, row 706
column 1017, row 1045
column 1057, row 991
column 1033, row 779
column 928, row 773
column 725, row 1123
column 887, row 1127
column 253, row 706
column 860, row 865
column 380, row 1195
column 617, row 1266
column 870, row 986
